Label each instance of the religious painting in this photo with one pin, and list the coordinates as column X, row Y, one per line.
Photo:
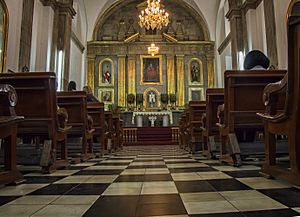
column 195, row 71
column 106, row 96
column 196, row 94
column 106, row 73
column 3, row 34
column 151, row 70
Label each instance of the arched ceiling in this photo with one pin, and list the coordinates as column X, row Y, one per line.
column 204, row 8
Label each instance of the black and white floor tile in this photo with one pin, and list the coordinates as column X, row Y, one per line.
column 151, row 181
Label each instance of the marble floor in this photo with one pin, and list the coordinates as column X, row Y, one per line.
column 151, row 181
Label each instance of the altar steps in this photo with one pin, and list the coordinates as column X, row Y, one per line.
column 152, row 136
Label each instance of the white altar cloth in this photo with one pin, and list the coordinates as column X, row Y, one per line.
column 161, row 113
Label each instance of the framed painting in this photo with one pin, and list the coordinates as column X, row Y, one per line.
column 196, row 94
column 106, row 72
column 106, row 96
column 151, row 70
column 195, row 72
column 3, row 34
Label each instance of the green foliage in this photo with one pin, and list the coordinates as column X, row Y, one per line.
column 139, row 98
column 131, row 98
column 164, row 98
column 173, row 98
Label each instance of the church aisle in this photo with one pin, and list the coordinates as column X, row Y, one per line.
column 151, row 181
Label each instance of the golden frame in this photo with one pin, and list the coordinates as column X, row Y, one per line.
column 199, row 89
column 157, row 93
column 5, row 36
column 142, row 57
column 112, row 94
column 201, row 72
column 100, row 74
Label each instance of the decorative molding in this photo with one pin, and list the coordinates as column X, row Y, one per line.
column 250, row 4
column 77, row 42
column 225, row 43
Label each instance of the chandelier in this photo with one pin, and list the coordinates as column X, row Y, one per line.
column 153, row 16
column 153, row 49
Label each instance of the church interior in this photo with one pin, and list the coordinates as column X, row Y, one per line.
column 147, row 108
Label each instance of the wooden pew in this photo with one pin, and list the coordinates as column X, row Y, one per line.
column 185, row 133
column 8, row 133
column 285, row 122
column 118, row 134
column 96, row 111
column 196, row 110
column 242, row 100
column 109, row 131
column 37, row 103
column 214, row 98
column 76, row 105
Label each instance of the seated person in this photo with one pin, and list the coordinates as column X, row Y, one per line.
column 256, row 60
column 72, row 86
column 90, row 97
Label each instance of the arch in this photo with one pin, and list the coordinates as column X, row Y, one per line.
column 201, row 82
column 101, row 81
column 157, row 94
column 192, row 9
column 3, row 34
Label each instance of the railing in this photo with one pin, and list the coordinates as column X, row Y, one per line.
column 175, row 134
column 129, row 135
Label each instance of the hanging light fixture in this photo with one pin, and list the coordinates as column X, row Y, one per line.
column 153, row 50
column 153, row 16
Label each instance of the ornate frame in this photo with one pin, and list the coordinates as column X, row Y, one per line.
column 201, row 73
column 157, row 93
column 5, row 35
column 142, row 57
column 200, row 89
column 100, row 91
column 100, row 75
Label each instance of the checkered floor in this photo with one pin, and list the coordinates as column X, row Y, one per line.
column 151, row 181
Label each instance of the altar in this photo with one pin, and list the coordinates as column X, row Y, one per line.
column 167, row 117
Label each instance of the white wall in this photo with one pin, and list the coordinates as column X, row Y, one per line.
column 280, row 16
column 41, row 37
column 76, row 66
column 14, row 33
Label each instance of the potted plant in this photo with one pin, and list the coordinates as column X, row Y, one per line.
column 164, row 100
column 131, row 100
column 173, row 100
column 139, row 100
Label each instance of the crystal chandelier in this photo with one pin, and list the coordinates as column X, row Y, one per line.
column 153, row 16
column 153, row 49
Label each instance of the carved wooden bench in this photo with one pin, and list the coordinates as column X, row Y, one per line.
column 43, row 121
column 287, row 121
column 76, row 105
column 242, row 100
column 8, row 133
column 214, row 98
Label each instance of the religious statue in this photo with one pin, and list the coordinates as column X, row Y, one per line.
column 195, row 74
column 151, row 73
column 152, row 99
column 107, row 76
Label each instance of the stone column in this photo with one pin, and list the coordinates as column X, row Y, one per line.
column 91, row 73
column 210, row 70
column 171, row 74
column 180, row 80
column 132, row 74
column 26, row 34
column 237, row 29
column 61, row 37
column 121, row 80
column 271, row 31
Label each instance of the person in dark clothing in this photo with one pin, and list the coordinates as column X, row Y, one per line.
column 256, row 59
column 90, row 97
column 72, row 86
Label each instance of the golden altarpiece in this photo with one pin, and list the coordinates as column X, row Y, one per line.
column 119, row 64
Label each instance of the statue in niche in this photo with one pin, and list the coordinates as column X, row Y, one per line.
column 195, row 72
column 106, row 73
column 152, row 98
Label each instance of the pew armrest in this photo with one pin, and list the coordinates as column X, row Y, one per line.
column 62, row 118
column 8, row 99
column 270, row 100
column 220, row 115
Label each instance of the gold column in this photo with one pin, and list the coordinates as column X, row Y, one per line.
column 180, row 80
column 91, row 73
column 171, row 74
column 131, row 75
column 121, row 80
column 210, row 69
